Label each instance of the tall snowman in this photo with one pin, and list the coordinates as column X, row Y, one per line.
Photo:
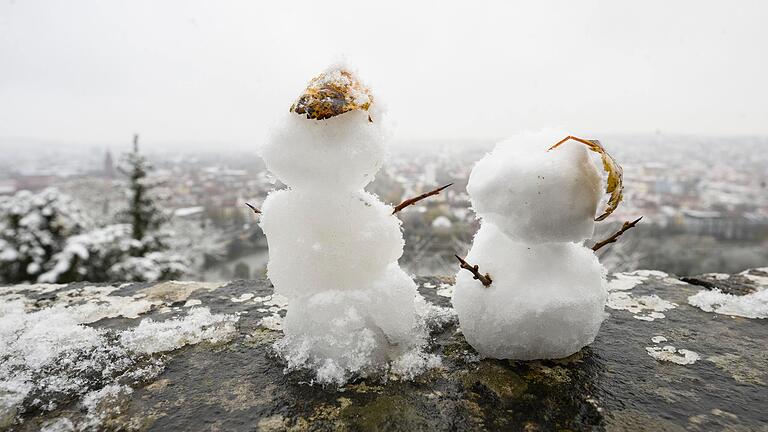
column 333, row 248
column 533, row 290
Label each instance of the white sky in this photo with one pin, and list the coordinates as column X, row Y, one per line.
column 221, row 70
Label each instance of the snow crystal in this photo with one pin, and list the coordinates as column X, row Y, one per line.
column 546, row 301
column 534, row 195
column 754, row 305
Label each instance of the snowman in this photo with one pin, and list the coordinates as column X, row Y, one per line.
column 333, row 248
column 532, row 289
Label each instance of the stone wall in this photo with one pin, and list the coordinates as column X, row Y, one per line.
column 197, row 356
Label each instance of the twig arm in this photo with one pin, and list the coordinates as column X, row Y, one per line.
column 474, row 269
column 255, row 210
column 411, row 201
column 612, row 239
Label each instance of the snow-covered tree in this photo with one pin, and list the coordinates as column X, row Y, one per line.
column 143, row 212
column 110, row 253
column 34, row 228
column 44, row 238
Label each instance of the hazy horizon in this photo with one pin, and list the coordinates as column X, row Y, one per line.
column 193, row 71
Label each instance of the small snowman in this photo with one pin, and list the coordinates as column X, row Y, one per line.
column 532, row 289
column 333, row 248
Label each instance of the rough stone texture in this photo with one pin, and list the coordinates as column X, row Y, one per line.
column 614, row 384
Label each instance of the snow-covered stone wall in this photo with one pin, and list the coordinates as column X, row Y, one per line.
column 673, row 354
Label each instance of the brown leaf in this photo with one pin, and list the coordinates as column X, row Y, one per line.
column 615, row 183
column 333, row 92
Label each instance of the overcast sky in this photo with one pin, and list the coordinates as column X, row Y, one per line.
column 175, row 70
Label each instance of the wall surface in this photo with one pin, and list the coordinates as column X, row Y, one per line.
column 197, row 356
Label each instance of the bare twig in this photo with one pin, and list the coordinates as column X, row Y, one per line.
column 411, row 201
column 484, row 278
column 255, row 210
column 627, row 225
column 588, row 143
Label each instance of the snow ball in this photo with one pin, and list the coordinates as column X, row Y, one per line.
column 534, row 195
column 319, row 243
column 546, row 301
column 754, row 305
column 340, row 153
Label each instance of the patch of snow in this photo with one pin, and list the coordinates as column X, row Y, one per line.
column 101, row 403
column 649, row 273
column 445, row 290
column 272, row 322
column 197, row 326
column 243, row 297
column 754, row 305
column 658, row 339
column 644, row 308
column 625, row 281
column 433, row 317
column 669, row 353
column 52, row 354
column 61, row 424
column 414, row 363
column 760, row 280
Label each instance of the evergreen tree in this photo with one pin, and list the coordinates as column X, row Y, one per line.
column 143, row 213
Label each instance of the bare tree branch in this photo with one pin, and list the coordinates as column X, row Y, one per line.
column 411, row 201
column 485, row 279
column 616, row 235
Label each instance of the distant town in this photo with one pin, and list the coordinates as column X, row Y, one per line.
column 704, row 201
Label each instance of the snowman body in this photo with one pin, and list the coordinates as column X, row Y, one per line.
column 333, row 248
column 548, row 291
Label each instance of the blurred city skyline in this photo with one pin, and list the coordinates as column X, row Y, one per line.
column 213, row 73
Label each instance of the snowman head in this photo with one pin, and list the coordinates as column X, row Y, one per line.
column 332, row 137
column 534, row 195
